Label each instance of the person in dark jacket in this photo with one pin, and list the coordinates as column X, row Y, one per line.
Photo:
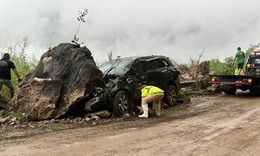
column 5, row 73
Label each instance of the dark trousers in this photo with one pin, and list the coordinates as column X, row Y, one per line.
column 9, row 84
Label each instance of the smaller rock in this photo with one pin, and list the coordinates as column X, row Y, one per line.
column 127, row 117
column 95, row 117
column 214, row 88
column 2, row 112
column 3, row 120
column 101, row 114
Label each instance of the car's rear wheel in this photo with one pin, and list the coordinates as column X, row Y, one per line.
column 122, row 103
column 170, row 96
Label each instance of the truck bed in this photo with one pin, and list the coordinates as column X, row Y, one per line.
column 229, row 83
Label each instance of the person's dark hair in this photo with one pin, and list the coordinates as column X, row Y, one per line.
column 238, row 48
column 6, row 56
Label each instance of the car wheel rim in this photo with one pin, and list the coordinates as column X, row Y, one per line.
column 172, row 95
column 122, row 103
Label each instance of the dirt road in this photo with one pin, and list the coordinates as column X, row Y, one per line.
column 211, row 125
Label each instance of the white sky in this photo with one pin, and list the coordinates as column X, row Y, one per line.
column 180, row 29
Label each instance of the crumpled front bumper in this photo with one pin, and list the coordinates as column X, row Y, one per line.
column 92, row 104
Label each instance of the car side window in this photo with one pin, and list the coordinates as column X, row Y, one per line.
column 151, row 65
column 138, row 67
column 257, row 61
column 163, row 63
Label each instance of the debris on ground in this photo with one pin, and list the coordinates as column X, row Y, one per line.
column 99, row 115
column 215, row 88
column 197, row 71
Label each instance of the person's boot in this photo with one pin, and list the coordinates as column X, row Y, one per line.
column 145, row 111
column 158, row 109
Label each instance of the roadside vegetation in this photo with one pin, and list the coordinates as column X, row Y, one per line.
column 23, row 63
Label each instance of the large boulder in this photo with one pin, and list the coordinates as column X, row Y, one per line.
column 3, row 104
column 64, row 76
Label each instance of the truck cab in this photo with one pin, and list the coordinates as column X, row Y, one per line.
column 253, row 64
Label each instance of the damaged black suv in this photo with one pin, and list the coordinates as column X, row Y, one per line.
column 119, row 92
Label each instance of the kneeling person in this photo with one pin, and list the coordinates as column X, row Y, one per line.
column 151, row 94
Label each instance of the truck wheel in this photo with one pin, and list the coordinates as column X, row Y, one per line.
column 255, row 90
column 170, row 96
column 121, row 103
column 230, row 91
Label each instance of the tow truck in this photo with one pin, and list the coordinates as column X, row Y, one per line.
column 250, row 80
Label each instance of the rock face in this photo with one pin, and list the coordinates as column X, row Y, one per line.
column 3, row 104
column 64, row 76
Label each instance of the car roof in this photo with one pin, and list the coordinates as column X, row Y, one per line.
column 255, row 55
column 143, row 57
column 136, row 58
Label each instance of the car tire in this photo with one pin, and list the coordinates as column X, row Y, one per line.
column 255, row 90
column 121, row 103
column 230, row 91
column 170, row 96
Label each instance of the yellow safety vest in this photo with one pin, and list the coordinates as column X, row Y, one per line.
column 151, row 90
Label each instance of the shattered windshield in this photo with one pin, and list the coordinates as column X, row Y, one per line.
column 116, row 67
column 106, row 66
column 256, row 61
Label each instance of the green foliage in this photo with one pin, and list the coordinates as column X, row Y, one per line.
column 23, row 64
column 251, row 48
column 194, row 62
column 81, row 19
column 16, row 116
column 183, row 97
column 201, row 83
column 226, row 68
column 183, row 67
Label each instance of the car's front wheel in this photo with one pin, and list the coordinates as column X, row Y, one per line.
column 170, row 96
column 121, row 103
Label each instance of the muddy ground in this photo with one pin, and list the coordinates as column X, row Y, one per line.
column 209, row 125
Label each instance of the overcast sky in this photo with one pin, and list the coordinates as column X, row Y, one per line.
column 180, row 29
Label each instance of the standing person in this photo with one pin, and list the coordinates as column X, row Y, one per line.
column 5, row 73
column 151, row 94
column 240, row 59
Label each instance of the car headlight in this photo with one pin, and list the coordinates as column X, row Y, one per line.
column 97, row 91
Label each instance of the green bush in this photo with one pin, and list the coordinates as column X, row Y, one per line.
column 16, row 116
column 23, row 64
column 183, row 97
column 226, row 68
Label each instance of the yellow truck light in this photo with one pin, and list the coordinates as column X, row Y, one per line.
column 250, row 65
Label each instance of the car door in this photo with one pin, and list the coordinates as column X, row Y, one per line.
column 156, row 72
column 138, row 76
